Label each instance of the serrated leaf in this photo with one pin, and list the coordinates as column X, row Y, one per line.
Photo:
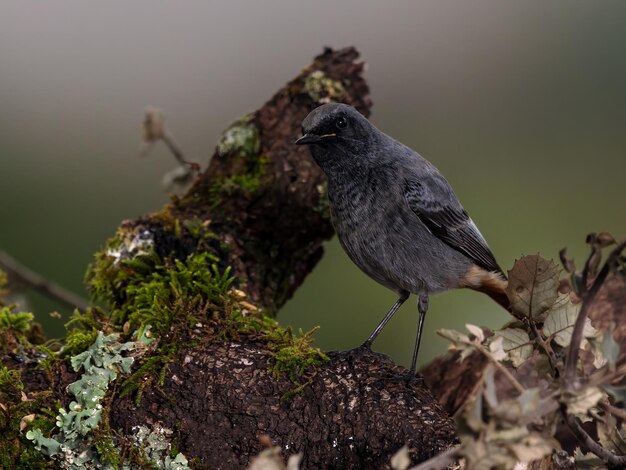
column 476, row 331
column 516, row 343
column 560, row 320
column 532, row 288
column 584, row 400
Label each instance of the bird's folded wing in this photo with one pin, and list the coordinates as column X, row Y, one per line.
column 434, row 202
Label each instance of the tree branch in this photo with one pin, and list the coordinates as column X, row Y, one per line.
column 592, row 445
column 570, row 375
column 21, row 274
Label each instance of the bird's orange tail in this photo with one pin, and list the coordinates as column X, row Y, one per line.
column 491, row 283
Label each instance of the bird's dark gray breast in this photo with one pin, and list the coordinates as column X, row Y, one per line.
column 386, row 239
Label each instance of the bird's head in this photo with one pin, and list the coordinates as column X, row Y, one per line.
column 338, row 135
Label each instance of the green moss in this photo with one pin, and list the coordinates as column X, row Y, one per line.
column 241, row 138
column 15, row 321
column 78, row 340
column 292, row 354
column 249, row 178
column 323, row 89
column 21, row 408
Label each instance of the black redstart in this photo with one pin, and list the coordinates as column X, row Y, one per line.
column 396, row 216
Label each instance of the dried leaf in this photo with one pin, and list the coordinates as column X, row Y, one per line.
column 476, row 331
column 516, row 344
column 587, row 461
column 25, row 420
column 293, row 462
column 610, row 436
column 153, row 125
column 610, row 348
column 595, row 257
column 401, row 459
column 268, row 459
column 529, row 400
column 490, row 386
column 496, row 348
column 534, row 447
column 604, row 239
column 473, row 414
column 460, row 342
column 567, row 262
column 533, row 284
column 583, row 401
column 559, row 323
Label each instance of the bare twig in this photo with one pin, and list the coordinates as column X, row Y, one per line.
column 592, row 445
column 22, row 274
column 518, row 386
column 545, row 346
column 617, row 412
column 168, row 139
column 440, row 461
column 154, row 129
column 588, row 295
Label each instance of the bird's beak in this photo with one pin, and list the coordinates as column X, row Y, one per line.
column 308, row 139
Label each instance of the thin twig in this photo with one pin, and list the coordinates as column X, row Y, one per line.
column 545, row 346
column 26, row 276
column 440, row 461
column 168, row 139
column 585, row 439
column 588, row 298
column 518, row 386
column 617, row 412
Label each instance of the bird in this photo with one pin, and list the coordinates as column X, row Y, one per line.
column 396, row 216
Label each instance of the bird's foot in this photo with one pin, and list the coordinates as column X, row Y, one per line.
column 409, row 378
column 364, row 349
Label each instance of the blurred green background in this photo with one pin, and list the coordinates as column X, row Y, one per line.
column 522, row 105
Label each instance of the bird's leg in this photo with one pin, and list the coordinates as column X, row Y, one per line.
column 422, row 307
column 368, row 342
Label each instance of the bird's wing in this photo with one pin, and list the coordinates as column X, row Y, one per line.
column 434, row 202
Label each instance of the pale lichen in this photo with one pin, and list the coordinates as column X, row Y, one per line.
column 157, row 448
column 72, row 446
column 241, row 138
column 322, row 88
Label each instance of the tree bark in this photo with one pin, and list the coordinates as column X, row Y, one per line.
column 263, row 200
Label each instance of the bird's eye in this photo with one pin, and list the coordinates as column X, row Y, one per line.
column 341, row 123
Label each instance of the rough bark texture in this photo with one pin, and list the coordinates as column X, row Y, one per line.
column 262, row 204
column 351, row 415
column 275, row 232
